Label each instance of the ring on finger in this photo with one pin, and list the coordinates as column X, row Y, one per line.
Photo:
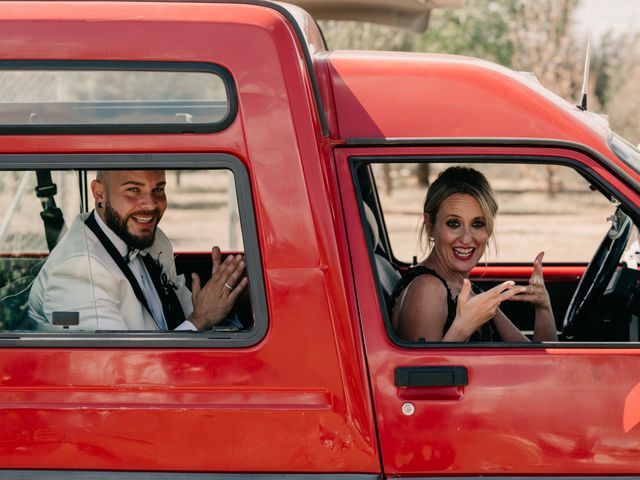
column 228, row 286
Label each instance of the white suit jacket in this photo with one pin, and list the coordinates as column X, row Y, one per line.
column 80, row 276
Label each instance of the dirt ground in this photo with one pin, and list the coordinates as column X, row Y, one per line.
column 567, row 227
column 519, row 238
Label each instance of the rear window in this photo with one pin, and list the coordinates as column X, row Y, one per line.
column 106, row 97
column 188, row 220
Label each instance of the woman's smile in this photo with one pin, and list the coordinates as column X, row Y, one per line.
column 463, row 254
column 460, row 234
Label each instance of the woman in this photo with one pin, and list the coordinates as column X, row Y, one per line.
column 435, row 301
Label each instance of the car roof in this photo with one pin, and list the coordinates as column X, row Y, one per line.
column 414, row 95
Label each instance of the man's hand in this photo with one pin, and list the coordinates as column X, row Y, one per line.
column 213, row 301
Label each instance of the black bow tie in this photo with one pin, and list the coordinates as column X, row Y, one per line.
column 131, row 254
column 166, row 289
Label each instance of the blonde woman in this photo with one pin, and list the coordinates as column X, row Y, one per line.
column 435, row 300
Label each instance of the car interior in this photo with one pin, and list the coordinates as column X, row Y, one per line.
column 58, row 196
column 594, row 300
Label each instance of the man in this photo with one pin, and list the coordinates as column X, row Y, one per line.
column 114, row 269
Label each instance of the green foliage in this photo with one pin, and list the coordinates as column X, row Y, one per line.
column 16, row 276
column 480, row 29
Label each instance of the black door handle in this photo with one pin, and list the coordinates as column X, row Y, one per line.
column 431, row 377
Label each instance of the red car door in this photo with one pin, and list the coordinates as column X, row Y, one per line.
column 492, row 410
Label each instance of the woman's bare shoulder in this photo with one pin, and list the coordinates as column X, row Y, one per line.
column 426, row 295
column 427, row 285
column 424, row 310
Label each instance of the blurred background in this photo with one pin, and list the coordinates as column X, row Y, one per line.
column 546, row 37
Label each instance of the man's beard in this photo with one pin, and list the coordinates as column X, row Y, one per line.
column 119, row 226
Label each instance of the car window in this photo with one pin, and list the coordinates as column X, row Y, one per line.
column 538, row 206
column 81, row 287
column 589, row 246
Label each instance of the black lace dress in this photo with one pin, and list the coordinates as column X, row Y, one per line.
column 486, row 333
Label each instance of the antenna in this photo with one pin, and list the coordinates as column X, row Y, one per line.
column 585, row 79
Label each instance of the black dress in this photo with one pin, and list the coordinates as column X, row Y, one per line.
column 486, row 333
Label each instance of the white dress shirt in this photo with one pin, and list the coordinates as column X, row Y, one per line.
column 140, row 272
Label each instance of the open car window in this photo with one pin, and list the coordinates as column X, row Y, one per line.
column 554, row 209
column 539, row 206
column 81, row 287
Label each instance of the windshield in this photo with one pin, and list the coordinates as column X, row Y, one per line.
column 625, row 151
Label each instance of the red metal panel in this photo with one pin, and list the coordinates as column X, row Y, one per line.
column 552, row 273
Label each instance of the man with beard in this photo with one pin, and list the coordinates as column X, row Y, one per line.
column 114, row 268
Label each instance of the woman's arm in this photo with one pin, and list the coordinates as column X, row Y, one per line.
column 423, row 310
column 475, row 311
column 544, row 329
column 507, row 330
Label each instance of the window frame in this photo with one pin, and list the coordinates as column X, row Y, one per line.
column 125, row 128
column 578, row 167
column 155, row 339
column 357, row 161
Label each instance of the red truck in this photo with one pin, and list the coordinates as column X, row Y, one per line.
column 258, row 124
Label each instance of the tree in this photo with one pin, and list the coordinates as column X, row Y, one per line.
column 479, row 29
column 544, row 43
column 618, row 86
column 351, row 35
column 624, row 99
column 534, row 36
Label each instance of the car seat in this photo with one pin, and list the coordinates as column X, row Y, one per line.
column 387, row 274
column 14, row 300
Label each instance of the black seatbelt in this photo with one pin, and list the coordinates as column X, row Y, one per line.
column 171, row 306
column 51, row 214
column 113, row 252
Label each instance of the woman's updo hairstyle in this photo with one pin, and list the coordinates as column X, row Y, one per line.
column 464, row 180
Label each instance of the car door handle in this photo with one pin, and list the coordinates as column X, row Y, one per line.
column 431, row 377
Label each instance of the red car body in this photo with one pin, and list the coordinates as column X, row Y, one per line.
column 316, row 394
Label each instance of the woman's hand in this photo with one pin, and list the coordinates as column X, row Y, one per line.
column 544, row 329
column 473, row 312
column 536, row 292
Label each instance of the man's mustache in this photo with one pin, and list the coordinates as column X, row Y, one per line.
column 145, row 213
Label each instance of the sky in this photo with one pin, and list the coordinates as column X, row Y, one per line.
column 598, row 16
